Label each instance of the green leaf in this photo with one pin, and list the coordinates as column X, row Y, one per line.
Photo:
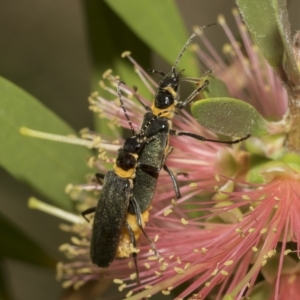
column 260, row 19
column 228, row 116
column 5, row 293
column 45, row 165
column 216, row 88
column 291, row 158
column 160, row 25
column 107, row 43
column 282, row 19
column 17, row 245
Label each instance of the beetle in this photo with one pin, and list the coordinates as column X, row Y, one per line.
column 166, row 103
column 116, row 195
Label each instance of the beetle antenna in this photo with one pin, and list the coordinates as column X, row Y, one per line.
column 186, row 45
column 123, row 107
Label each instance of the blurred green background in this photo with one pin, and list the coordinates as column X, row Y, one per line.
column 46, row 47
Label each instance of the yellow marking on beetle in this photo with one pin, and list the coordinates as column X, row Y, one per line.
column 124, row 247
column 171, row 91
column 124, row 174
column 165, row 112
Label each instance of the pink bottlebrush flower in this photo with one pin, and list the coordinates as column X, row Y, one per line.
column 248, row 76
